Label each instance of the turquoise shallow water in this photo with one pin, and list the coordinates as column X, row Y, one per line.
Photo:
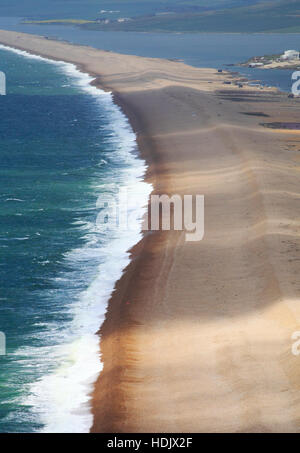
column 62, row 144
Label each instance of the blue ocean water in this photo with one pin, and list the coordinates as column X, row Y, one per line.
column 63, row 144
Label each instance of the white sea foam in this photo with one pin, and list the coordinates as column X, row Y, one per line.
column 62, row 398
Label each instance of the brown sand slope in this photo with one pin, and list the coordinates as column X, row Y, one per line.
column 204, row 344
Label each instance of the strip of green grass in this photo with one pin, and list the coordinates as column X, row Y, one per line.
column 279, row 16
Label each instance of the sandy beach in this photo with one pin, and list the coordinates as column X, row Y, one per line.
column 197, row 336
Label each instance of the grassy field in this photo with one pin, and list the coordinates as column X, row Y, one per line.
column 91, row 9
column 194, row 16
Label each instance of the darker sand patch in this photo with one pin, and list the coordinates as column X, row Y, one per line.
column 282, row 125
column 255, row 114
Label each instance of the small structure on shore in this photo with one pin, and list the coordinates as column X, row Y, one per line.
column 102, row 20
column 255, row 64
column 290, row 55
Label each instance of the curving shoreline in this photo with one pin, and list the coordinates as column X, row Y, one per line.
column 197, row 337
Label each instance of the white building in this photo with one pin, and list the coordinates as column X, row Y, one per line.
column 290, row 55
column 124, row 19
column 255, row 65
